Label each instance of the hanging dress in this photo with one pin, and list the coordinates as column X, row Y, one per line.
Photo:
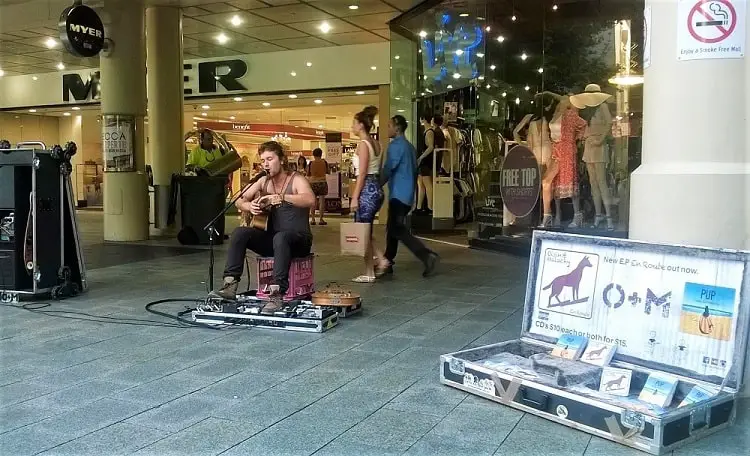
column 565, row 152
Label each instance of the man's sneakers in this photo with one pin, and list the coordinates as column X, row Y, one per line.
column 228, row 291
column 430, row 263
column 275, row 301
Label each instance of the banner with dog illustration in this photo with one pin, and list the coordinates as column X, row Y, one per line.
column 663, row 305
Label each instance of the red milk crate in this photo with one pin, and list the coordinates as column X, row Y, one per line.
column 301, row 279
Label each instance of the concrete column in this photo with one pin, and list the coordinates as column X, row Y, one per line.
column 384, row 116
column 165, row 103
column 123, row 76
column 693, row 186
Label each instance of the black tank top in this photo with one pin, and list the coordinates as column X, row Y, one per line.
column 288, row 217
column 438, row 143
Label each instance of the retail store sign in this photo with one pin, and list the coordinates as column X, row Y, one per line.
column 211, row 75
column 520, row 183
column 334, row 147
column 81, row 31
column 711, row 29
column 72, row 84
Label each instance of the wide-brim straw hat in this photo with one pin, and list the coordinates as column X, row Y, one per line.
column 592, row 96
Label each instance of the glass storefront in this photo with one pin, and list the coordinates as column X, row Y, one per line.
column 541, row 113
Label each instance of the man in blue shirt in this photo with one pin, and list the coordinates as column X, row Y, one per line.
column 400, row 171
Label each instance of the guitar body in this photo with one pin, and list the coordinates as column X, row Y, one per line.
column 334, row 295
column 259, row 222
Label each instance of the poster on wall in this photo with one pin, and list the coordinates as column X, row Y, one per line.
column 680, row 310
column 711, row 29
column 118, row 132
column 450, row 111
column 334, row 147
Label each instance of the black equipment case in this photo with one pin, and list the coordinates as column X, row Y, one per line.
column 670, row 310
column 40, row 252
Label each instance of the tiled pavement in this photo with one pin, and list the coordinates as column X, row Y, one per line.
column 112, row 379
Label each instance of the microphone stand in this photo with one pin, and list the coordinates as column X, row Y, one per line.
column 211, row 227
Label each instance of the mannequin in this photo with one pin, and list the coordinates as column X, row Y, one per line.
column 593, row 100
column 561, row 178
column 433, row 139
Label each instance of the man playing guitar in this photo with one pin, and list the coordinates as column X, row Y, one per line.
column 286, row 198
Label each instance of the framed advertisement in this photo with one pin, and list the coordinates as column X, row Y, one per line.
column 118, row 135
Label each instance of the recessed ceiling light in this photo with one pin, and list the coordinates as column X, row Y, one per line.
column 66, row 114
column 554, row 7
column 325, row 27
column 292, row 96
column 481, row 78
column 464, row 14
column 60, row 66
column 449, row 86
column 500, row 39
column 373, row 68
column 487, row 29
column 456, row 75
column 488, row 86
column 236, row 20
column 480, row 55
column 513, row 18
column 459, row 52
column 518, row 101
column 505, row 94
column 222, row 38
column 205, row 107
column 423, row 34
column 266, row 104
column 353, row 7
column 318, row 101
column 75, row 108
column 2, row 73
column 524, row 56
column 526, row 88
column 237, row 98
column 397, row 57
column 397, row 98
column 540, row 70
column 492, row 67
column 360, row 92
column 204, row 114
column 293, row 73
column 309, row 64
column 320, row 126
column 35, row 78
column 232, row 117
column 401, row 110
column 50, row 43
column 32, row 110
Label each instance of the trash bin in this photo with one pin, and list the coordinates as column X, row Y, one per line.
column 201, row 199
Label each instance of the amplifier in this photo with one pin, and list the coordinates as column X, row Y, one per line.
column 7, row 270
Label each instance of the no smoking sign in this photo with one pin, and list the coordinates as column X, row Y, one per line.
column 711, row 29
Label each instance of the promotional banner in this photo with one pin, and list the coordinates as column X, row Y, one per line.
column 333, row 147
column 680, row 310
column 117, row 143
column 521, row 181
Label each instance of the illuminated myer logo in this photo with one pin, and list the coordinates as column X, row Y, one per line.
column 73, row 85
column 87, row 30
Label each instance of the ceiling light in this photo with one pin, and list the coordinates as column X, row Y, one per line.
column 204, row 114
column 222, row 38
column 464, row 14
column 480, row 55
column 524, row 56
column 487, row 29
column 34, row 78
column 423, row 34
column 492, row 67
column 513, row 18
column 540, row 70
column 309, row 64
column 481, row 78
column 500, row 38
column 397, row 98
column 401, row 110
column 60, row 66
column 518, row 101
column 456, row 75
column 360, row 92
column 66, row 114
column 320, row 126
column 292, row 96
column 459, row 52
column 75, row 108
column 293, row 73
column 232, row 117
column 50, row 43
column 526, row 88
column 397, row 57
column 2, row 73
column 266, row 104
column 373, row 68
column 237, row 98
column 236, row 20
column 488, row 86
column 353, row 7
column 449, row 86
column 554, row 7
column 318, row 101
column 505, row 94
column 325, row 27
column 32, row 110
column 205, row 107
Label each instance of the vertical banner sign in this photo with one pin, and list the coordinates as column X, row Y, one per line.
column 333, row 148
column 711, row 29
column 521, row 181
column 647, row 37
column 118, row 133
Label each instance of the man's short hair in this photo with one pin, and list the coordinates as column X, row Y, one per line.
column 400, row 122
column 317, row 152
column 438, row 119
column 272, row 146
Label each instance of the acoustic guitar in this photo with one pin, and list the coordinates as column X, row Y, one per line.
column 336, row 296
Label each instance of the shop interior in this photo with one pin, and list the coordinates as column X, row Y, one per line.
column 505, row 73
column 299, row 121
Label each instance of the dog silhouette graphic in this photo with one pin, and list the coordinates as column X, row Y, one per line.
column 571, row 279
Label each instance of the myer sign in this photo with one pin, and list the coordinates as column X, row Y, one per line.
column 81, row 31
column 199, row 79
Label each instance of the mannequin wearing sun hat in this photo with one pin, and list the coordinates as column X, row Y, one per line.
column 594, row 152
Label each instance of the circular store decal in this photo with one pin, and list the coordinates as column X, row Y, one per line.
column 520, row 181
column 81, row 31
